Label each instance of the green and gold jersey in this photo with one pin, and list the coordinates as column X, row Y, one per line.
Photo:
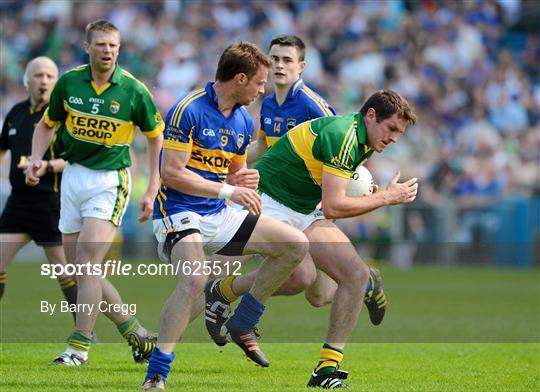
column 97, row 124
column 291, row 171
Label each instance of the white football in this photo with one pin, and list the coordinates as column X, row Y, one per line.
column 361, row 182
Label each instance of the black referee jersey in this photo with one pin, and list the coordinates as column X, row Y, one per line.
column 16, row 136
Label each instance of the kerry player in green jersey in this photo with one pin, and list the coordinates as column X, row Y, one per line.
column 312, row 163
column 98, row 107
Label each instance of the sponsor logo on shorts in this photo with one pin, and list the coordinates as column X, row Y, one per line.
column 101, row 210
column 185, row 221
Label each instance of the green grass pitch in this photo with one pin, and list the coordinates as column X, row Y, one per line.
column 447, row 329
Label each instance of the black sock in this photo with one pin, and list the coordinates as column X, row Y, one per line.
column 3, row 278
column 69, row 288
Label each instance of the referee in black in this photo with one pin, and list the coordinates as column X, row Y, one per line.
column 32, row 213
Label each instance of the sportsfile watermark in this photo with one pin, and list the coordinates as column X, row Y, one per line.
column 436, row 293
column 120, row 268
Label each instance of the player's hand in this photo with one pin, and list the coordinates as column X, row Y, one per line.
column 147, row 206
column 33, row 167
column 248, row 198
column 23, row 165
column 247, row 178
column 404, row 192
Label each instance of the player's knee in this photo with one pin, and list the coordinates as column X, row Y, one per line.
column 308, row 278
column 317, row 299
column 293, row 251
column 297, row 248
column 359, row 275
column 301, row 280
column 191, row 286
column 355, row 274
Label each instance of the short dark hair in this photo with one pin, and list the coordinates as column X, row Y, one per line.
column 386, row 103
column 241, row 57
column 290, row 40
column 98, row 25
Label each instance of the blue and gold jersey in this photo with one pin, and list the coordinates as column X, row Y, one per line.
column 196, row 125
column 302, row 104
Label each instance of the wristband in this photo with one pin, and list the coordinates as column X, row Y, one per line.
column 50, row 168
column 226, row 191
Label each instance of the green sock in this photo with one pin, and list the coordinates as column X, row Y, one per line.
column 69, row 288
column 129, row 326
column 79, row 341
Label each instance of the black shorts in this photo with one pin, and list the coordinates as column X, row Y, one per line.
column 36, row 215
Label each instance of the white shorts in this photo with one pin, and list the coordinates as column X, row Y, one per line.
column 89, row 193
column 216, row 230
column 281, row 212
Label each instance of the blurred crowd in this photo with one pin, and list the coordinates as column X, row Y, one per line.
column 470, row 68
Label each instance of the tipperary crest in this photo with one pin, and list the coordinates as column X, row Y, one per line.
column 240, row 141
column 115, row 107
column 291, row 123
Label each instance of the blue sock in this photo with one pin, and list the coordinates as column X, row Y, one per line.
column 369, row 286
column 159, row 363
column 248, row 313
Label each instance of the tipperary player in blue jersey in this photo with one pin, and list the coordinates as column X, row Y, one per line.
column 293, row 102
column 207, row 133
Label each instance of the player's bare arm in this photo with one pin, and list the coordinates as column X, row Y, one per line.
column 257, row 149
column 175, row 174
column 147, row 200
column 52, row 166
column 41, row 140
column 337, row 205
column 240, row 175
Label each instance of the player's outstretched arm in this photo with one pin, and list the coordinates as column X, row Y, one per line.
column 147, row 200
column 41, row 140
column 337, row 205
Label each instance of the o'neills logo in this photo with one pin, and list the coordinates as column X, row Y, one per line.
column 115, row 107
